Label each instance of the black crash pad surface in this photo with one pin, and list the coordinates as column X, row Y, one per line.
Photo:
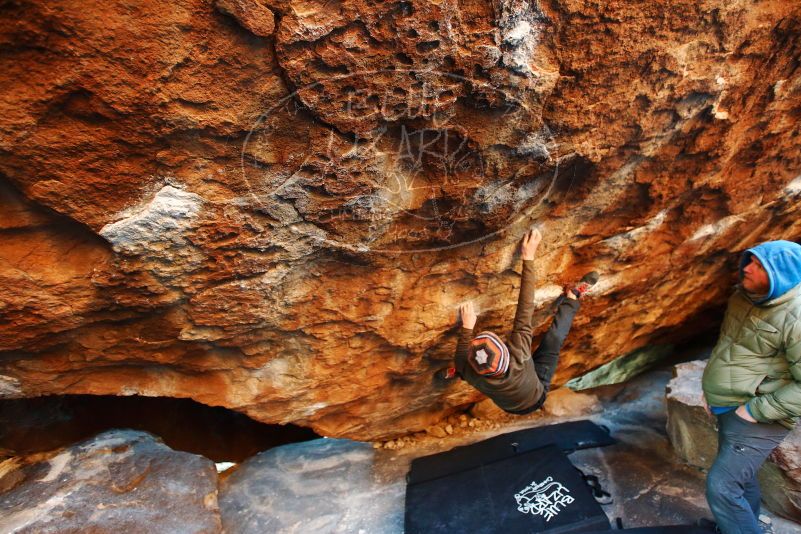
column 573, row 435
column 534, row 491
column 675, row 529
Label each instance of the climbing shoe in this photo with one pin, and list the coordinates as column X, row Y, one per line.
column 446, row 374
column 584, row 285
column 601, row 495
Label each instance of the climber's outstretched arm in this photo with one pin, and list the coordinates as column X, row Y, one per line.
column 467, row 318
column 520, row 340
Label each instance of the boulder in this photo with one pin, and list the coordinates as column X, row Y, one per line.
column 693, row 435
column 566, row 403
column 118, row 481
column 276, row 206
column 780, row 478
column 692, row 432
column 324, row 485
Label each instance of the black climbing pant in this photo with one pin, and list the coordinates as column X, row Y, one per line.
column 546, row 356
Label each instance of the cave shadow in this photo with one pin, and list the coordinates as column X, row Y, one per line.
column 44, row 423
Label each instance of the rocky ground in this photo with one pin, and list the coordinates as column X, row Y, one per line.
column 119, row 481
column 335, row 485
column 649, row 484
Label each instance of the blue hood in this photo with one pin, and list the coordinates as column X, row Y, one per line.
column 782, row 261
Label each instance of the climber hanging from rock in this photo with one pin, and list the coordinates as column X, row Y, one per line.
column 516, row 380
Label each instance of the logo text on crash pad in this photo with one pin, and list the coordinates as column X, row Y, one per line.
column 546, row 498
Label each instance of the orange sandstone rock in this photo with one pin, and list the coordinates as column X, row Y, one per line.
column 283, row 220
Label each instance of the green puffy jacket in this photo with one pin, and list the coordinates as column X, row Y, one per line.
column 757, row 359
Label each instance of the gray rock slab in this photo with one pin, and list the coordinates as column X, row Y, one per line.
column 119, row 481
column 320, row 486
column 691, row 430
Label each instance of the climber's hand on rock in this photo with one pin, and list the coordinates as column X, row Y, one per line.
column 706, row 406
column 530, row 243
column 467, row 315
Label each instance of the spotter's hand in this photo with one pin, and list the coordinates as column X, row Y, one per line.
column 743, row 413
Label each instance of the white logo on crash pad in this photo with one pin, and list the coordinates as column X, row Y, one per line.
column 546, row 498
column 481, row 357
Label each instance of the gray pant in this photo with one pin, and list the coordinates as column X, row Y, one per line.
column 732, row 489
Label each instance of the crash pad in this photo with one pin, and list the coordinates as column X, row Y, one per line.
column 568, row 437
column 523, row 492
column 674, row 529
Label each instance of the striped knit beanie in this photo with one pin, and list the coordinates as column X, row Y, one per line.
column 488, row 355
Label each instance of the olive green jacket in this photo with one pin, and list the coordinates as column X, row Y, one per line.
column 757, row 359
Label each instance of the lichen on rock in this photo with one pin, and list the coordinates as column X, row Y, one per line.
column 166, row 218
